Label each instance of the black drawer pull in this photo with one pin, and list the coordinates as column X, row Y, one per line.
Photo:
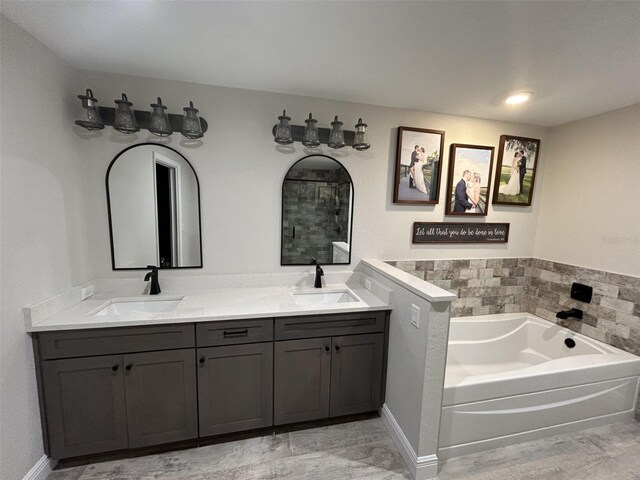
column 337, row 348
column 201, row 359
column 236, row 333
column 128, row 367
column 115, row 368
column 327, row 348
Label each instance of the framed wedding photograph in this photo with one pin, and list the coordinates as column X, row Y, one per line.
column 516, row 170
column 468, row 188
column 418, row 166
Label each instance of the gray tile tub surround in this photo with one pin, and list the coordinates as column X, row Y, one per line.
column 483, row 286
column 540, row 287
column 613, row 316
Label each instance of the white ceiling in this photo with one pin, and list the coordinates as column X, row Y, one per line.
column 579, row 58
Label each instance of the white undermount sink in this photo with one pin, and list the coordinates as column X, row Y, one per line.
column 322, row 298
column 126, row 307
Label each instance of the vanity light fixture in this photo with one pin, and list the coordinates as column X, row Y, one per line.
column 191, row 127
column 518, row 97
column 159, row 123
column 283, row 130
column 125, row 120
column 91, row 115
column 360, row 139
column 336, row 137
column 313, row 136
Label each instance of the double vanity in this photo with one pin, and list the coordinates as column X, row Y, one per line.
column 120, row 373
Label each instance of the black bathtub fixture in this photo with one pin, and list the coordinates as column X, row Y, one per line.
column 570, row 342
column 573, row 313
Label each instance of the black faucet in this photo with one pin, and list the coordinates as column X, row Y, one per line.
column 574, row 312
column 319, row 273
column 153, row 276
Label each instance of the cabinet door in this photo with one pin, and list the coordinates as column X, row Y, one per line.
column 85, row 405
column 235, row 388
column 161, row 397
column 301, row 380
column 356, row 374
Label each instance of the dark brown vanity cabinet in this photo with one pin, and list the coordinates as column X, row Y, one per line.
column 124, row 400
column 235, row 377
column 111, row 389
column 85, row 405
column 161, row 397
column 328, row 376
column 302, row 372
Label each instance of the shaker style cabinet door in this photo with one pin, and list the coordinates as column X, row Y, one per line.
column 161, row 396
column 85, row 405
column 235, row 388
column 356, row 374
column 301, row 380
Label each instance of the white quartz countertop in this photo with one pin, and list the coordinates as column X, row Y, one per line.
column 208, row 305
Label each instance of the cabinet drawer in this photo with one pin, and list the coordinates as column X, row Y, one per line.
column 311, row 326
column 234, row 332
column 105, row 341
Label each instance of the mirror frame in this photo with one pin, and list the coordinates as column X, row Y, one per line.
column 353, row 196
column 113, row 257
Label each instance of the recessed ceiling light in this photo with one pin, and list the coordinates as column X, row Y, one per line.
column 518, row 97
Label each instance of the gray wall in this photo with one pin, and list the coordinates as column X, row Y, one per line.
column 44, row 223
column 588, row 208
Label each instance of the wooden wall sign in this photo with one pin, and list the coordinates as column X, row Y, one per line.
column 440, row 232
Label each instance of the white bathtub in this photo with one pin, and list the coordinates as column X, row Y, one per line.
column 511, row 378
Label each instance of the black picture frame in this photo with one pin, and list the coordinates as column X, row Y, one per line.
column 478, row 161
column 530, row 147
column 407, row 141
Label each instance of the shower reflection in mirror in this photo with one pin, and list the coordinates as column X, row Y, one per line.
column 317, row 206
column 153, row 197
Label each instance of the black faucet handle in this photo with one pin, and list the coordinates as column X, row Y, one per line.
column 314, row 261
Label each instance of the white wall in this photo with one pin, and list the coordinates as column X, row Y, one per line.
column 241, row 170
column 44, row 236
column 589, row 195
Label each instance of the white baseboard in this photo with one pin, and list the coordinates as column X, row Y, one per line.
column 41, row 470
column 421, row 468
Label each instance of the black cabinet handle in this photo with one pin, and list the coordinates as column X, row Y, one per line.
column 115, row 368
column 201, row 359
column 327, row 348
column 236, row 333
column 128, row 367
column 337, row 348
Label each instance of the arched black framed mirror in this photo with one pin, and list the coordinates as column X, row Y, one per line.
column 153, row 197
column 317, row 212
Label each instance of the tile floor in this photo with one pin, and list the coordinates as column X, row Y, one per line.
column 364, row 450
